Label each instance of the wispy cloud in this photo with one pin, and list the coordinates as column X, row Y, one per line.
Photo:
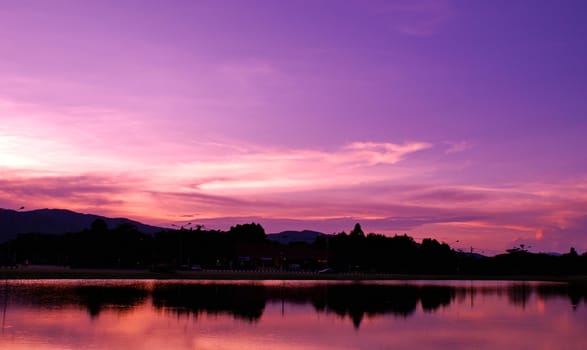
column 104, row 193
column 56, row 159
column 457, row 147
column 56, row 156
column 293, row 170
column 383, row 153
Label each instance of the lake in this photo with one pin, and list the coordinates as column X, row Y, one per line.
column 147, row 314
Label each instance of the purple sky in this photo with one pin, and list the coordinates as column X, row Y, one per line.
column 459, row 120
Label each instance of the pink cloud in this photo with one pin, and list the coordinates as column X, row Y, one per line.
column 457, row 147
column 108, row 161
column 97, row 194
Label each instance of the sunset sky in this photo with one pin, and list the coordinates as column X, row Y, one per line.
column 459, row 120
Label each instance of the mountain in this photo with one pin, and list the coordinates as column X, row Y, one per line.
column 55, row 221
column 286, row 237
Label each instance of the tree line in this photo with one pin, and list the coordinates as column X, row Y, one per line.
column 245, row 246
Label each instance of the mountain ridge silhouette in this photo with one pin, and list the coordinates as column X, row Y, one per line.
column 57, row 221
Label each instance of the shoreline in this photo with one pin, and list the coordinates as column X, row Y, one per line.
column 57, row 272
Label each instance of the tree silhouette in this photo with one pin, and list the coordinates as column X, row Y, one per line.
column 99, row 225
column 246, row 246
column 573, row 252
column 357, row 231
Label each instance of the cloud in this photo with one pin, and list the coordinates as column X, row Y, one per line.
column 551, row 237
column 72, row 140
column 383, row 153
column 451, row 195
column 55, row 158
column 489, row 218
column 83, row 192
column 86, row 139
column 81, row 156
column 457, row 147
column 252, row 170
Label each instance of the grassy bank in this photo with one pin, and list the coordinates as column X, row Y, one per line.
column 50, row 272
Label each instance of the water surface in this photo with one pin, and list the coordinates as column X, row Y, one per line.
column 89, row 314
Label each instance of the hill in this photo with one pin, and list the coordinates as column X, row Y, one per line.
column 56, row 221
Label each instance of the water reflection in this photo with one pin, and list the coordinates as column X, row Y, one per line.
column 94, row 297
column 37, row 310
column 357, row 301
column 247, row 300
column 244, row 301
